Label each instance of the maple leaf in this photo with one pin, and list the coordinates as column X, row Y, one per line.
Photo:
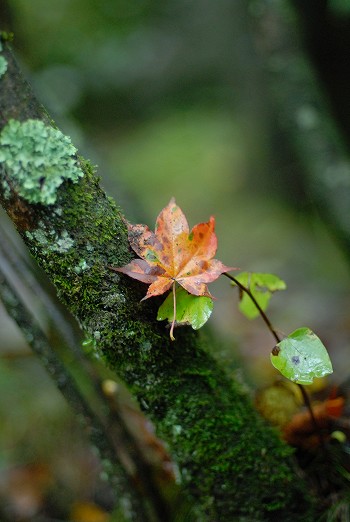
column 174, row 254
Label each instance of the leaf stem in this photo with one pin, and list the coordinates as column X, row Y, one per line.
column 268, row 323
column 174, row 317
column 308, row 405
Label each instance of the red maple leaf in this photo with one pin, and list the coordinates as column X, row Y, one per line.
column 172, row 254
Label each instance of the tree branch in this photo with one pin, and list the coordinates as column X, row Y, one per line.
column 142, row 462
column 232, row 465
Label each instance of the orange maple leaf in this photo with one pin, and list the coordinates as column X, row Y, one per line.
column 172, row 254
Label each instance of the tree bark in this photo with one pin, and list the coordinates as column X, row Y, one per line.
column 303, row 114
column 232, row 465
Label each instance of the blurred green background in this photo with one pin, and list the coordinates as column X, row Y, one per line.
column 168, row 98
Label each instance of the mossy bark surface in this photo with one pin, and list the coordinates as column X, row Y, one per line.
column 233, row 466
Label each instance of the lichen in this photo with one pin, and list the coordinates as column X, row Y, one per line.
column 50, row 240
column 63, row 243
column 3, row 63
column 3, row 66
column 81, row 266
column 37, row 159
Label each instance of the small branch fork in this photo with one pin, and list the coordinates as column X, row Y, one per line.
column 274, row 333
column 261, row 311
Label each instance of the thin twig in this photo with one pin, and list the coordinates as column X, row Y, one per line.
column 174, row 318
column 261, row 311
column 308, row 405
column 268, row 323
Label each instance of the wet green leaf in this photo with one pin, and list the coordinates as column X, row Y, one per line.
column 301, row 357
column 262, row 287
column 190, row 309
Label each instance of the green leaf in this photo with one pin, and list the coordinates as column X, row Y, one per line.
column 262, row 287
column 301, row 357
column 190, row 309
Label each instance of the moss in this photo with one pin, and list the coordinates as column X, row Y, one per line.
column 233, row 467
column 199, row 427
column 37, row 159
column 76, row 242
column 198, row 411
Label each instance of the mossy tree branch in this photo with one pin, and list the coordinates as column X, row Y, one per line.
column 233, row 466
column 135, row 461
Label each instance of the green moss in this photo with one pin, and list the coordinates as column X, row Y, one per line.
column 37, row 158
column 199, row 427
column 233, row 467
column 75, row 243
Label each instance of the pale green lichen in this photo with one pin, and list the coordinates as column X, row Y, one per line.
column 81, row 267
column 63, row 243
column 37, row 159
column 3, row 66
column 52, row 241
column 3, row 63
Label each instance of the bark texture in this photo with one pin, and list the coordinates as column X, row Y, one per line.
column 233, row 466
column 303, row 111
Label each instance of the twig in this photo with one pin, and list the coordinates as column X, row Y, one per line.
column 268, row 323
column 174, row 318
column 261, row 311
